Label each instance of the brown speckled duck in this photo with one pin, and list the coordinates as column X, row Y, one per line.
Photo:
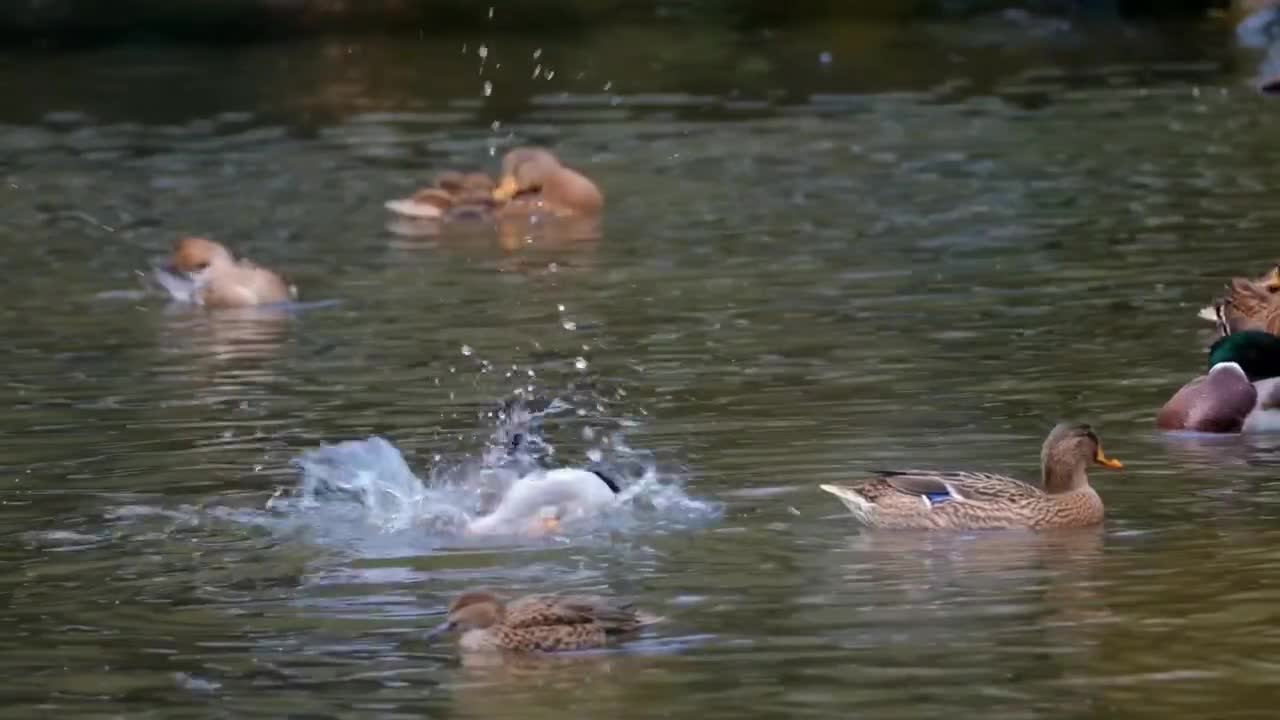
column 1248, row 305
column 453, row 196
column 538, row 623
column 204, row 272
column 533, row 181
column 933, row 500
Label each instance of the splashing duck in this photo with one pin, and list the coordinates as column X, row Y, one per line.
column 541, row 502
column 1239, row 393
column 539, row 623
column 533, row 182
column 204, row 272
column 934, row 500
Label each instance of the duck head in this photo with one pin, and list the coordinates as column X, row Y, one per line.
column 1223, row 398
column 1066, row 455
column 1257, row 353
column 525, row 170
column 475, row 610
column 196, row 257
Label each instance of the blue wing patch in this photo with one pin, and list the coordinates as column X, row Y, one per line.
column 938, row 498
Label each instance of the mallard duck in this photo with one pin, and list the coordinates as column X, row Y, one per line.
column 533, row 181
column 540, row 502
column 538, row 623
column 452, row 196
column 204, row 272
column 1248, row 305
column 928, row 500
column 1240, row 392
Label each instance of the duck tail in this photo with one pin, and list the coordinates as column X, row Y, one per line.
column 863, row 510
column 644, row 618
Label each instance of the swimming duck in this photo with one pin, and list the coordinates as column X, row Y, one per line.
column 1240, row 392
column 539, row 623
column 540, row 502
column 929, row 500
column 533, row 181
column 1248, row 305
column 453, row 196
column 204, row 272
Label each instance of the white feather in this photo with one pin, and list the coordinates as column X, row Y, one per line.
column 558, row 494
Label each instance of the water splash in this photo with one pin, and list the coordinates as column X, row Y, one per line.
column 367, row 483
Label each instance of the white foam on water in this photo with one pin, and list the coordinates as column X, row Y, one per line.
column 365, row 487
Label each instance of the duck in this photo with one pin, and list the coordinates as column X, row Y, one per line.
column 1240, row 392
column 204, row 272
column 538, row 623
column 540, row 502
column 1248, row 305
column 533, row 181
column 452, row 196
column 962, row 500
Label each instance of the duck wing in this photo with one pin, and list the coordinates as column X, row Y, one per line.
column 551, row 610
column 960, row 485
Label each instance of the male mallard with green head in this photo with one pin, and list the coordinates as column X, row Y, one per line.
column 934, row 500
column 1241, row 391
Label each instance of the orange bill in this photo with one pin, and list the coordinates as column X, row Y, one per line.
column 1106, row 461
column 506, row 189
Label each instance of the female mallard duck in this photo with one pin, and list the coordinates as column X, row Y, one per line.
column 1240, row 392
column 453, row 196
column 533, row 181
column 1248, row 305
column 539, row 623
column 929, row 500
column 539, row 503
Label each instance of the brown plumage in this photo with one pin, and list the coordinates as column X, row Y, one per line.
column 539, row 623
column 212, row 277
column 452, row 196
column 534, row 182
column 1248, row 305
column 928, row 499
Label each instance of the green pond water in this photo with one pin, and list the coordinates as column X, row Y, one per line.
column 921, row 248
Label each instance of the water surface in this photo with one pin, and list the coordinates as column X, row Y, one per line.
column 922, row 248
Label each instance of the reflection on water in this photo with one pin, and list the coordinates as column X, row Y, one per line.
column 827, row 250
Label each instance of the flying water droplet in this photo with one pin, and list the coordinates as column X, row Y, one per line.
column 580, row 363
column 466, row 350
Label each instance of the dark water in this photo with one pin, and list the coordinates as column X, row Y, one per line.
column 923, row 251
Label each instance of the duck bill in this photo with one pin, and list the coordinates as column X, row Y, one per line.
column 442, row 629
column 1272, row 280
column 506, row 189
column 1105, row 461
